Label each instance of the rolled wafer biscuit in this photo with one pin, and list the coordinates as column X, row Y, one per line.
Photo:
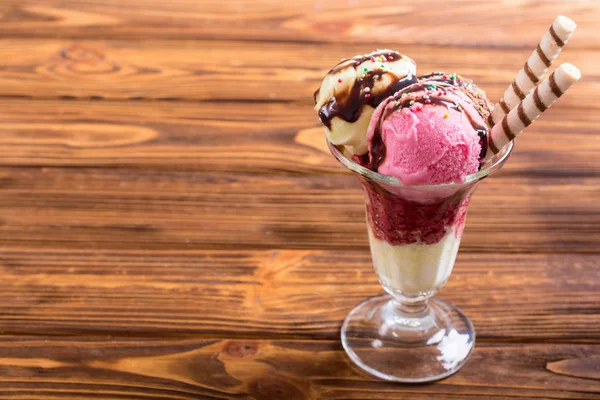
column 536, row 66
column 528, row 110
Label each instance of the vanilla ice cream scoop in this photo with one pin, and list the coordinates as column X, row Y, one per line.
column 352, row 90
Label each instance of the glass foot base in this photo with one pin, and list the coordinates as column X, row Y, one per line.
column 410, row 345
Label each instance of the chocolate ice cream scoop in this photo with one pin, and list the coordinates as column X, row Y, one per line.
column 478, row 97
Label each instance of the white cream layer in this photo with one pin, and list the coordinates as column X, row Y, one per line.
column 416, row 268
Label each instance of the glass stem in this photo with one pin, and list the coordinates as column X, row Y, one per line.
column 413, row 308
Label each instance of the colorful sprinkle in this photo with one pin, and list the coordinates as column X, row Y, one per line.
column 372, row 59
column 397, row 104
column 427, row 101
column 339, row 80
column 411, row 102
column 365, row 69
column 367, row 90
column 446, row 115
column 382, row 66
column 367, row 95
column 458, row 108
column 425, row 96
column 445, row 77
column 452, row 77
column 390, row 58
column 404, row 94
column 431, row 87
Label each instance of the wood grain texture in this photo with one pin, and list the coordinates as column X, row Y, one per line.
column 279, row 293
column 236, row 70
column 116, row 208
column 78, row 368
column 466, row 22
column 270, row 138
column 173, row 227
column 585, row 367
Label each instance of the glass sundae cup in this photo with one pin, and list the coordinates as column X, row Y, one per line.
column 407, row 335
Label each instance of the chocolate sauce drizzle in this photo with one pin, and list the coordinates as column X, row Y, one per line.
column 349, row 105
column 350, row 108
column 401, row 100
column 445, row 78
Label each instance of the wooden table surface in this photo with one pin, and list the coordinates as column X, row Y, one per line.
column 173, row 227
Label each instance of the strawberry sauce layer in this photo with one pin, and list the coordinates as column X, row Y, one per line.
column 398, row 220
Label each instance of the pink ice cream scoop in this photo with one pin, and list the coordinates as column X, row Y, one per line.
column 428, row 133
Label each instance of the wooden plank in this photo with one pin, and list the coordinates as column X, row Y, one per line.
column 279, row 293
column 113, row 207
column 465, row 22
column 77, row 368
column 247, row 137
column 237, row 70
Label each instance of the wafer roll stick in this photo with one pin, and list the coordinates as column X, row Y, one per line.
column 536, row 66
column 528, row 110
